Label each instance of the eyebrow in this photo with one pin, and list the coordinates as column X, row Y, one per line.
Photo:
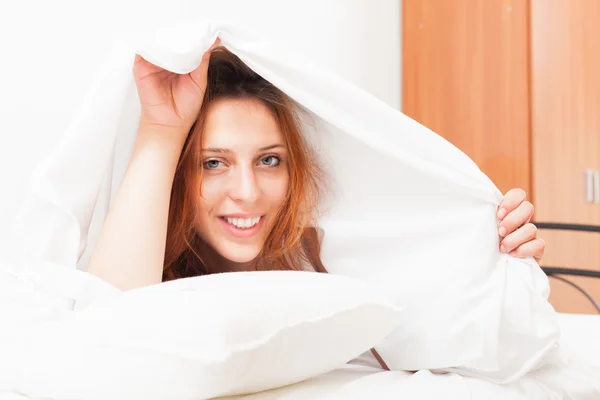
column 220, row 150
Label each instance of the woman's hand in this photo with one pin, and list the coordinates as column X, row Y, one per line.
column 519, row 236
column 170, row 101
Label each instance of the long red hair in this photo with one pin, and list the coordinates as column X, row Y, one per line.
column 293, row 239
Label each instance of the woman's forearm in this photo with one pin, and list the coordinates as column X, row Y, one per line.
column 131, row 246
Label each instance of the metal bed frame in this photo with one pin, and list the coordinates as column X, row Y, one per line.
column 556, row 272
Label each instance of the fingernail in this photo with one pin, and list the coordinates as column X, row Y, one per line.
column 502, row 231
column 501, row 213
column 503, row 249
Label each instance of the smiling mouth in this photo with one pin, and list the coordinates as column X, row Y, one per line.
column 242, row 227
column 243, row 223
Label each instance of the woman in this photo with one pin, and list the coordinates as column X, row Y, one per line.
column 222, row 180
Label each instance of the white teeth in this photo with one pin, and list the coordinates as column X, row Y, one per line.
column 243, row 223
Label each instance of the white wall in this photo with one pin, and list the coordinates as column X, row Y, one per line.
column 49, row 48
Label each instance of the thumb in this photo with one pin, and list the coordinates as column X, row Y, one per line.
column 142, row 67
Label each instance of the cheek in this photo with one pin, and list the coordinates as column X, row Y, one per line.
column 211, row 193
column 206, row 203
column 275, row 189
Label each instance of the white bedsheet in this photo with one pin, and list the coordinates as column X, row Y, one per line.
column 366, row 383
column 484, row 314
column 406, row 211
column 359, row 382
column 579, row 381
column 581, row 335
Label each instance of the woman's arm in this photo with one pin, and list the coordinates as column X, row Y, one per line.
column 131, row 248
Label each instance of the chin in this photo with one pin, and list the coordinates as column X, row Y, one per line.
column 239, row 253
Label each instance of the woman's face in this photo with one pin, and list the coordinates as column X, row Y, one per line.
column 245, row 178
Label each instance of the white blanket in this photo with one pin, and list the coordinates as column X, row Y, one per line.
column 409, row 212
column 352, row 382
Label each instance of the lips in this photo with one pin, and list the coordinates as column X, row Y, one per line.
column 243, row 223
column 244, row 229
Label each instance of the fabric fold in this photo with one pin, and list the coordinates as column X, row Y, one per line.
column 407, row 210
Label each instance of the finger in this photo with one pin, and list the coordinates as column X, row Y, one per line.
column 535, row 249
column 200, row 73
column 142, row 67
column 214, row 45
column 511, row 200
column 519, row 237
column 517, row 218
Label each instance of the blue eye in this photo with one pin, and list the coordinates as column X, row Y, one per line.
column 270, row 161
column 212, row 164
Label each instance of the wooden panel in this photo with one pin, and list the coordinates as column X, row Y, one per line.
column 565, row 59
column 566, row 108
column 465, row 76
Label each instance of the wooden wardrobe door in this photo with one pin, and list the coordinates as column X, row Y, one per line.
column 465, row 76
column 565, row 84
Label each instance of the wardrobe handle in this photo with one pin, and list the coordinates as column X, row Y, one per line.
column 590, row 186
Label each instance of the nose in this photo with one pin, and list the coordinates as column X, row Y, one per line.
column 244, row 186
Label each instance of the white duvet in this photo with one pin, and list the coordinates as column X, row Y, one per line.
column 409, row 214
column 351, row 382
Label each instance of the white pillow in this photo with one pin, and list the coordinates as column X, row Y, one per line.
column 406, row 210
column 205, row 337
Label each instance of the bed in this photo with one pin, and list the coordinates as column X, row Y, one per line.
column 355, row 381
column 578, row 377
column 352, row 381
column 581, row 331
column 578, row 381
